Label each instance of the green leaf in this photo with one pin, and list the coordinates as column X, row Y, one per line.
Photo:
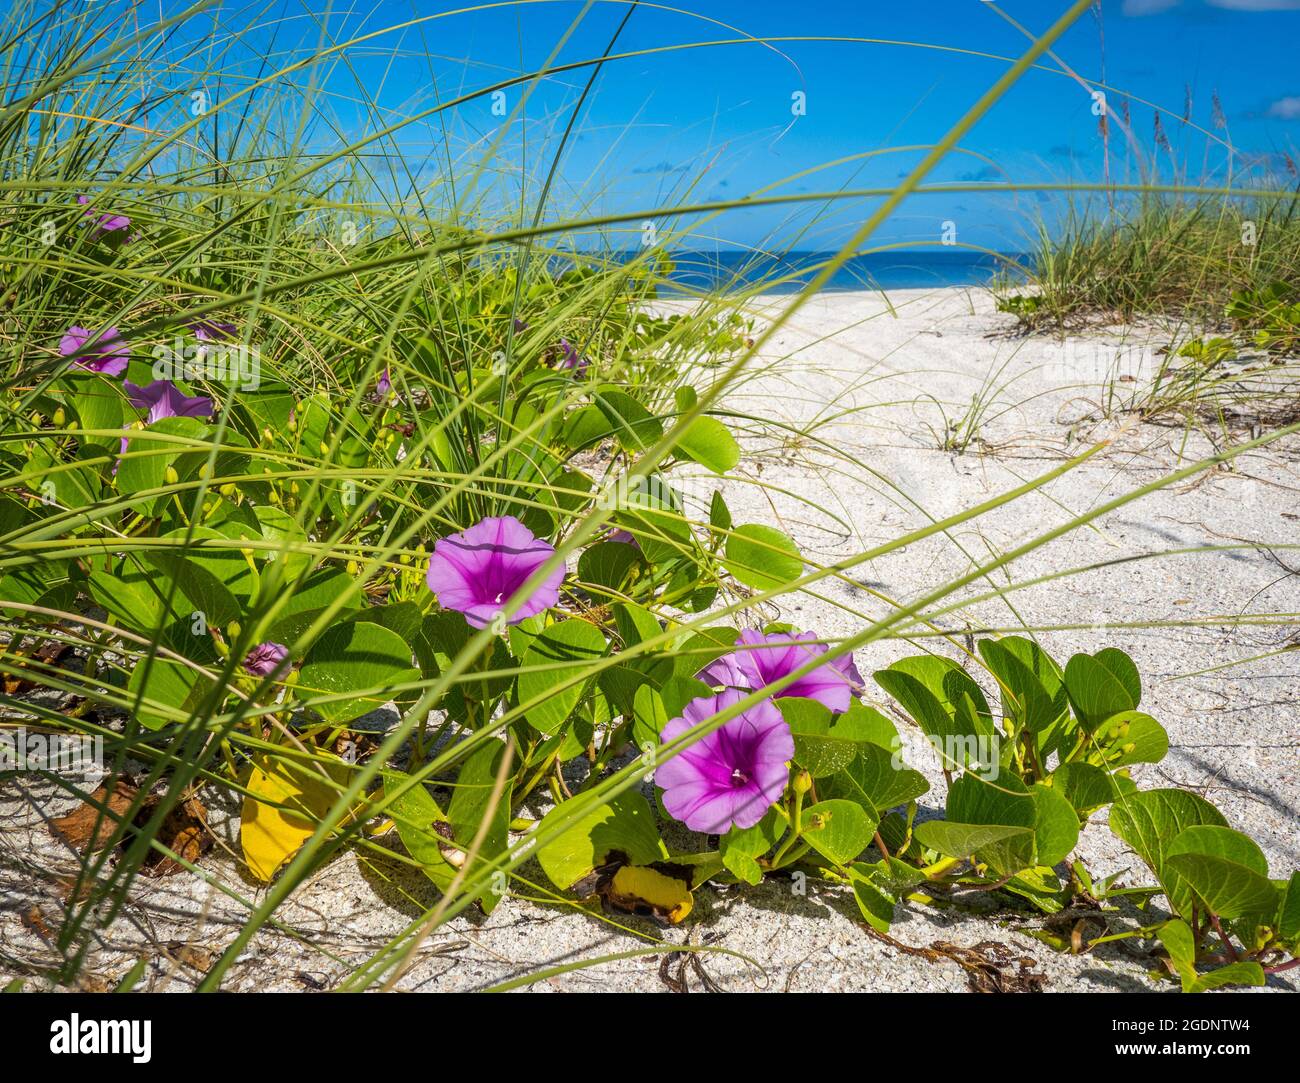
column 705, row 646
column 471, row 805
column 649, row 717
column 1224, row 869
column 964, row 840
column 1041, row 886
column 677, row 692
column 1123, row 669
column 874, row 772
column 1147, row 738
column 1232, row 974
column 99, row 404
column 218, row 581
column 1056, row 825
column 652, row 511
column 1176, row 936
column 404, row 618
column 146, row 459
column 1101, row 685
column 1288, row 915
column 1005, row 801
column 46, row 584
column 947, row 705
column 1088, row 787
column 356, row 656
column 762, row 557
column 585, row 426
column 1032, row 689
column 719, row 513
column 741, row 847
column 630, row 423
column 708, row 442
column 415, row 812
column 1149, row 820
column 874, row 903
column 636, row 625
column 607, row 564
column 625, row 824
column 304, row 601
column 838, row 830
column 824, row 745
column 169, row 684
column 567, row 649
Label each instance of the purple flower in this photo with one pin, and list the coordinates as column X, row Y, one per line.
column 624, row 537
column 213, row 330
column 569, row 357
column 121, row 450
column 730, row 777
column 109, row 357
column 477, row 571
column 267, row 659
column 767, row 658
column 162, row 398
column 385, row 384
column 520, row 325
column 104, row 223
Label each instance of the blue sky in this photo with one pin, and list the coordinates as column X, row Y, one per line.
column 716, row 122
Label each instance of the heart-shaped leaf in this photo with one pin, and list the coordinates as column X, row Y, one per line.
column 553, row 669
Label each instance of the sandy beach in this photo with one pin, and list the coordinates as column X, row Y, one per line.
column 859, row 394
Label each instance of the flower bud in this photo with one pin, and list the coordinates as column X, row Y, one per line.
column 802, row 782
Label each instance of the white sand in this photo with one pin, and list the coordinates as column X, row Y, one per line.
column 881, row 385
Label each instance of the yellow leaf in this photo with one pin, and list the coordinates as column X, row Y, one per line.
column 287, row 800
column 643, row 889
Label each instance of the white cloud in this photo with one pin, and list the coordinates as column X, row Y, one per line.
column 1286, row 108
column 1256, row 5
column 1155, row 7
column 1148, row 7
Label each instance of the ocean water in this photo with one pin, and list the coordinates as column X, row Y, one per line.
column 921, row 269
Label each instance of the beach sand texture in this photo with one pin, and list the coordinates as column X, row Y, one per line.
column 863, row 393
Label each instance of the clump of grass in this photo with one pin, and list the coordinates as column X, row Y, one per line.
column 1176, row 259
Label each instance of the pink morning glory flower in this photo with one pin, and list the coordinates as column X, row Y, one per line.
column 569, row 357
column 267, row 659
column 624, row 537
column 478, row 570
column 732, row 776
column 213, row 330
column 384, row 384
column 103, row 223
column 162, row 398
column 763, row 659
column 109, row 354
